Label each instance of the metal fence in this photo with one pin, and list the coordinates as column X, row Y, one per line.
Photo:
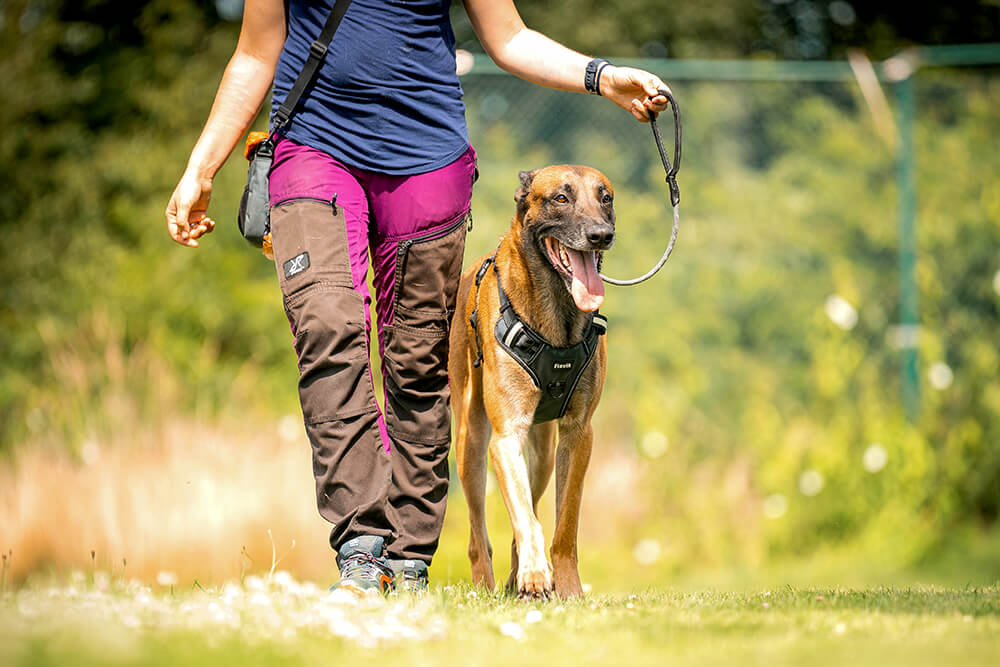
column 736, row 139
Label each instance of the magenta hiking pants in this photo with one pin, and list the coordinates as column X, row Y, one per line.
column 377, row 473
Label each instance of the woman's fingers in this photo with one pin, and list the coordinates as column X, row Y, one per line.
column 186, row 212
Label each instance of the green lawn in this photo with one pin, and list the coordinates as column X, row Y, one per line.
column 284, row 622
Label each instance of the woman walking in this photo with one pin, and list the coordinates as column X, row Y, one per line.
column 375, row 163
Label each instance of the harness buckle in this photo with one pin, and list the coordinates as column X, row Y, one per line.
column 318, row 49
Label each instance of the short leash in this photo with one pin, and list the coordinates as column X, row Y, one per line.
column 675, row 191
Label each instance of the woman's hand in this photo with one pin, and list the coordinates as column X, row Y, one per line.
column 187, row 218
column 634, row 90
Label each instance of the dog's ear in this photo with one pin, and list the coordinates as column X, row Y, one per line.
column 521, row 194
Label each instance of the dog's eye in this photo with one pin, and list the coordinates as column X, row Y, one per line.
column 606, row 199
column 561, row 199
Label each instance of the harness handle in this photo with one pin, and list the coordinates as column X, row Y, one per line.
column 675, row 191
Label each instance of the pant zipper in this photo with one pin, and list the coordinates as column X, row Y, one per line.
column 404, row 246
column 332, row 202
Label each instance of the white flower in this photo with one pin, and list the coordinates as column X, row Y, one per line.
column 533, row 616
column 512, row 630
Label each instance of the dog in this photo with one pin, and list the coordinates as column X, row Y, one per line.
column 547, row 268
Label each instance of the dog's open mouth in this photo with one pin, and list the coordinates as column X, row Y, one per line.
column 579, row 269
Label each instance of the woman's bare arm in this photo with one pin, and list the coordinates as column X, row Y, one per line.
column 245, row 84
column 534, row 57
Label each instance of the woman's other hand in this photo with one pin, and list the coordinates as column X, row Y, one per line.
column 187, row 211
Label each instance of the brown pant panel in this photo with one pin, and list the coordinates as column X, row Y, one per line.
column 352, row 470
column 353, row 477
column 418, row 496
column 415, row 368
column 416, row 343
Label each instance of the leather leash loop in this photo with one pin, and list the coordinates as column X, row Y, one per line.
column 671, row 177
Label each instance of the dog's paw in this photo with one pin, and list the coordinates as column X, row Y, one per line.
column 535, row 583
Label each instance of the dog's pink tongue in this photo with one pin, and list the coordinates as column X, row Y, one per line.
column 587, row 287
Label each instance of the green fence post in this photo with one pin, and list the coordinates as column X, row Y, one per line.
column 905, row 174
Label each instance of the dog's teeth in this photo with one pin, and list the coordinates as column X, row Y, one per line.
column 564, row 257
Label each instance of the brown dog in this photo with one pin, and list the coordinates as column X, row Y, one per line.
column 548, row 267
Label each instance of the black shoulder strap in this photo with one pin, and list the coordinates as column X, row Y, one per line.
column 317, row 50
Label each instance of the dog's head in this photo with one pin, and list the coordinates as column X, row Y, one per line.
column 567, row 218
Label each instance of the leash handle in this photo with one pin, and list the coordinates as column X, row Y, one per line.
column 671, row 171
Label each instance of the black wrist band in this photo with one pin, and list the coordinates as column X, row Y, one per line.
column 597, row 78
column 590, row 78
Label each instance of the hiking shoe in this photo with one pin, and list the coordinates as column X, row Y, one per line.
column 411, row 575
column 362, row 566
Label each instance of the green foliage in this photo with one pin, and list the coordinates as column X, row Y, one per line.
column 788, row 198
column 103, row 106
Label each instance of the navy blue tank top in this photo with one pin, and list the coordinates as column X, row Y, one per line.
column 386, row 97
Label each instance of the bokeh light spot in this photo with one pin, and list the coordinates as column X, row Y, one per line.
column 940, row 375
column 775, row 506
column 875, row 457
column 841, row 312
column 811, row 482
column 654, row 444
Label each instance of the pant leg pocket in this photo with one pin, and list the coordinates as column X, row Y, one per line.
column 310, row 243
column 328, row 324
column 428, row 269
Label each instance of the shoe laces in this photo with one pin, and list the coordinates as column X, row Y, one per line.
column 363, row 565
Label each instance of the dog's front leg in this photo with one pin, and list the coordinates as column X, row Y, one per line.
column 534, row 575
column 572, row 457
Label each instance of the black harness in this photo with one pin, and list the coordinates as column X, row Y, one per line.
column 554, row 370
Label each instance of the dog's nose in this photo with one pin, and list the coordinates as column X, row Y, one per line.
column 600, row 236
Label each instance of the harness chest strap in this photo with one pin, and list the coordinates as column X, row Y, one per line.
column 556, row 371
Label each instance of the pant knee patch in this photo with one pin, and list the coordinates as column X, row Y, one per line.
column 330, row 340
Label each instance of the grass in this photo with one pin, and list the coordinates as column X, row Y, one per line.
column 97, row 621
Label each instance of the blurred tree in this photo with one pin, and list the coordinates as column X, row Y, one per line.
column 799, row 29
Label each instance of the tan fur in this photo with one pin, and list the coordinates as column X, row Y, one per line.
column 500, row 396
